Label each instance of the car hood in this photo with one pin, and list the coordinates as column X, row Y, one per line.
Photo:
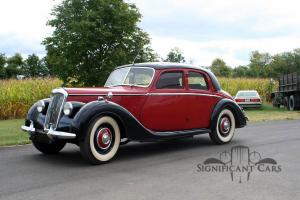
column 105, row 90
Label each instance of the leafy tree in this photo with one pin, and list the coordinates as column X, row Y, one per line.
column 258, row 64
column 2, row 66
column 34, row 66
column 44, row 67
column 14, row 65
column 92, row 37
column 240, row 71
column 175, row 55
column 219, row 68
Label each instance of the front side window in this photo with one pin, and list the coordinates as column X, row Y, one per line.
column 134, row 76
column 170, row 80
column 197, row 81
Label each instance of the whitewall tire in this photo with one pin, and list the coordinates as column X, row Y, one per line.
column 224, row 129
column 102, row 140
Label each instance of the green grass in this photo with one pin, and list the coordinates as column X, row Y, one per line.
column 11, row 134
column 269, row 113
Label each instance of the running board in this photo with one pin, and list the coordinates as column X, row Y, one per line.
column 178, row 134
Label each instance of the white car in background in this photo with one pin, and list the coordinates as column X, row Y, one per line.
column 248, row 99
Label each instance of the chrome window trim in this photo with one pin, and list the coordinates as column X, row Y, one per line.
column 65, row 94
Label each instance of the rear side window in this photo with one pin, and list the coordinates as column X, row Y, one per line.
column 197, row 81
column 170, row 80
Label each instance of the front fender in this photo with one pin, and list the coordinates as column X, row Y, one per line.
column 37, row 118
column 130, row 127
column 240, row 118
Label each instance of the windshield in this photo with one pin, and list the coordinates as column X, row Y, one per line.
column 247, row 94
column 136, row 76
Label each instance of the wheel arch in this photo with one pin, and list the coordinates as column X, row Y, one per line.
column 240, row 118
column 96, row 109
column 117, row 118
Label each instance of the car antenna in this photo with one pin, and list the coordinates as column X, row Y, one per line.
column 136, row 56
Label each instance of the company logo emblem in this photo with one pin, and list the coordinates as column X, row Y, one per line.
column 240, row 162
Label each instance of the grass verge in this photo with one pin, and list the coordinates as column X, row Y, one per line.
column 269, row 113
column 11, row 134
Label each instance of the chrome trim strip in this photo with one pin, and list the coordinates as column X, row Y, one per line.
column 152, row 94
column 50, row 133
column 59, row 134
column 28, row 129
column 60, row 90
column 106, row 95
column 183, row 94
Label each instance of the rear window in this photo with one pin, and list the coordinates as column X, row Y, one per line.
column 170, row 80
column 247, row 94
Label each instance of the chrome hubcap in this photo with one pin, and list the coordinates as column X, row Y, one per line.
column 104, row 138
column 225, row 126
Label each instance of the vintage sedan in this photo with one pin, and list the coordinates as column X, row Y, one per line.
column 139, row 102
column 248, row 99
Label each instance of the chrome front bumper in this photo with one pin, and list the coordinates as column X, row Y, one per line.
column 52, row 134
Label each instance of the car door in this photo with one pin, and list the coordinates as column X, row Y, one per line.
column 200, row 101
column 165, row 106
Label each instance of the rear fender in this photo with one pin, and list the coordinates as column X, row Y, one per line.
column 239, row 115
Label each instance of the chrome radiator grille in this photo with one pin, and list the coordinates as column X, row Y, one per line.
column 54, row 110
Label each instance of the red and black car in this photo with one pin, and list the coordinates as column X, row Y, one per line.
column 139, row 102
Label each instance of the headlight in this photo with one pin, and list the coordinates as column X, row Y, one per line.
column 68, row 107
column 40, row 106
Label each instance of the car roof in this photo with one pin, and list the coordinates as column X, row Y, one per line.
column 164, row 65
column 170, row 65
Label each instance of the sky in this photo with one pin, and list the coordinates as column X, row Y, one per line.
column 202, row 29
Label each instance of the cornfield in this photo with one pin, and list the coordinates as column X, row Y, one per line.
column 17, row 96
column 263, row 86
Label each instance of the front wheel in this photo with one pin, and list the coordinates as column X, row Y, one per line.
column 48, row 148
column 102, row 140
column 224, row 129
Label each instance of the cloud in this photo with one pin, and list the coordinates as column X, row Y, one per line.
column 23, row 25
column 228, row 29
column 203, row 29
column 234, row 51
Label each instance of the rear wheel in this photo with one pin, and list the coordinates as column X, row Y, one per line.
column 48, row 148
column 292, row 103
column 102, row 140
column 224, row 129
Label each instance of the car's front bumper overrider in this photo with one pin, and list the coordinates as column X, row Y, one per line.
column 52, row 134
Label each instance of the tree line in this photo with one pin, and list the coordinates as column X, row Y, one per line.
column 91, row 38
column 261, row 65
column 16, row 65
